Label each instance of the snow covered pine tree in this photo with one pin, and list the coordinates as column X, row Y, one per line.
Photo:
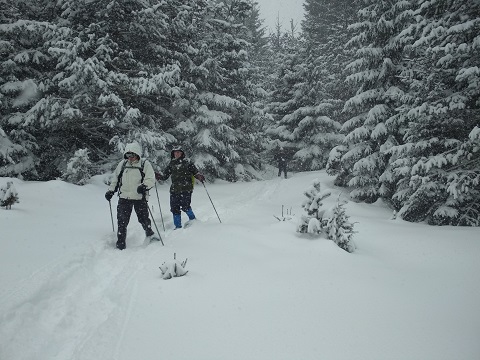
column 78, row 168
column 340, row 229
column 8, row 195
column 312, row 222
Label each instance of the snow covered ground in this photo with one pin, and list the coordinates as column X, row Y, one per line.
column 255, row 289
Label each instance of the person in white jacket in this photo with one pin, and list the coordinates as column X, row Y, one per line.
column 132, row 178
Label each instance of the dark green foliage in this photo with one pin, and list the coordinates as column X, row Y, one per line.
column 339, row 228
column 100, row 74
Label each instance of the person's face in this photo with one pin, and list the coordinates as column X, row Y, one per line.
column 177, row 154
column 131, row 156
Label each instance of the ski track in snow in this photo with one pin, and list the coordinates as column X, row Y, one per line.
column 101, row 283
column 257, row 192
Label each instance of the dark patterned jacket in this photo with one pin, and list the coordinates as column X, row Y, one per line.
column 182, row 171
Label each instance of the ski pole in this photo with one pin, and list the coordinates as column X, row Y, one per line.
column 211, row 202
column 161, row 215
column 154, row 223
column 111, row 215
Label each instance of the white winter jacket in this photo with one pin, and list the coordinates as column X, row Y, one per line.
column 132, row 176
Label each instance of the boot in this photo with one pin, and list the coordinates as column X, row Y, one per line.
column 121, row 237
column 177, row 221
column 149, row 232
column 191, row 215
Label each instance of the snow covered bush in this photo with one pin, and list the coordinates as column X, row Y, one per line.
column 173, row 268
column 311, row 222
column 8, row 195
column 339, row 229
column 78, row 168
column 334, row 223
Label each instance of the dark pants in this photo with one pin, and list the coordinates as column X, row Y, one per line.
column 282, row 167
column 124, row 210
column 180, row 201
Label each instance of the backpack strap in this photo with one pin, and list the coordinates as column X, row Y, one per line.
column 120, row 174
column 142, row 165
column 119, row 179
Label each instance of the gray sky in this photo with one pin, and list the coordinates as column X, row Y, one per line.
column 284, row 9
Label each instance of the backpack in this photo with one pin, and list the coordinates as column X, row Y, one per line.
column 120, row 174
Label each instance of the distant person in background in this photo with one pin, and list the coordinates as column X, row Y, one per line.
column 281, row 158
column 182, row 171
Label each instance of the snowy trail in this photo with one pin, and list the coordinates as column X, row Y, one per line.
column 255, row 288
column 48, row 308
column 100, row 282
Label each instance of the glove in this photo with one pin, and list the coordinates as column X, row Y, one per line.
column 200, row 177
column 109, row 195
column 158, row 176
column 142, row 189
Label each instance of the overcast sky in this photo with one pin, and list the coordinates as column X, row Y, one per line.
column 284, row 10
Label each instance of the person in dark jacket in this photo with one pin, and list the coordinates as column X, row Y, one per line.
column 281, row 158
column 183, row 172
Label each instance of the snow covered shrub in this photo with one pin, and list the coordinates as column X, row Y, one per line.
column 8, row 195
column 311, row 222
column 173, row 268
column 78, row 168
column 339, row 229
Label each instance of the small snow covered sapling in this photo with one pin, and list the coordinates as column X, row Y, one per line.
column 8, row 195
column 173, row 268
column 78, row 168
column 339, row 229
column 311, row 222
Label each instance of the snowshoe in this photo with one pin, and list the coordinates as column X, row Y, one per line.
column 188, row 223
column 153, row 238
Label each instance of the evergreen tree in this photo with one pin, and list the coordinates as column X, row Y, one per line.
column 312, row 221
column 259, row 53
column 375, row 74
column 318, row 122
column 114, row 82
column 313, row 124
column 339, row 228
column 283, row 100
column 24, row 68
column 438, row 163
column 219, row 130
column 79, row 168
